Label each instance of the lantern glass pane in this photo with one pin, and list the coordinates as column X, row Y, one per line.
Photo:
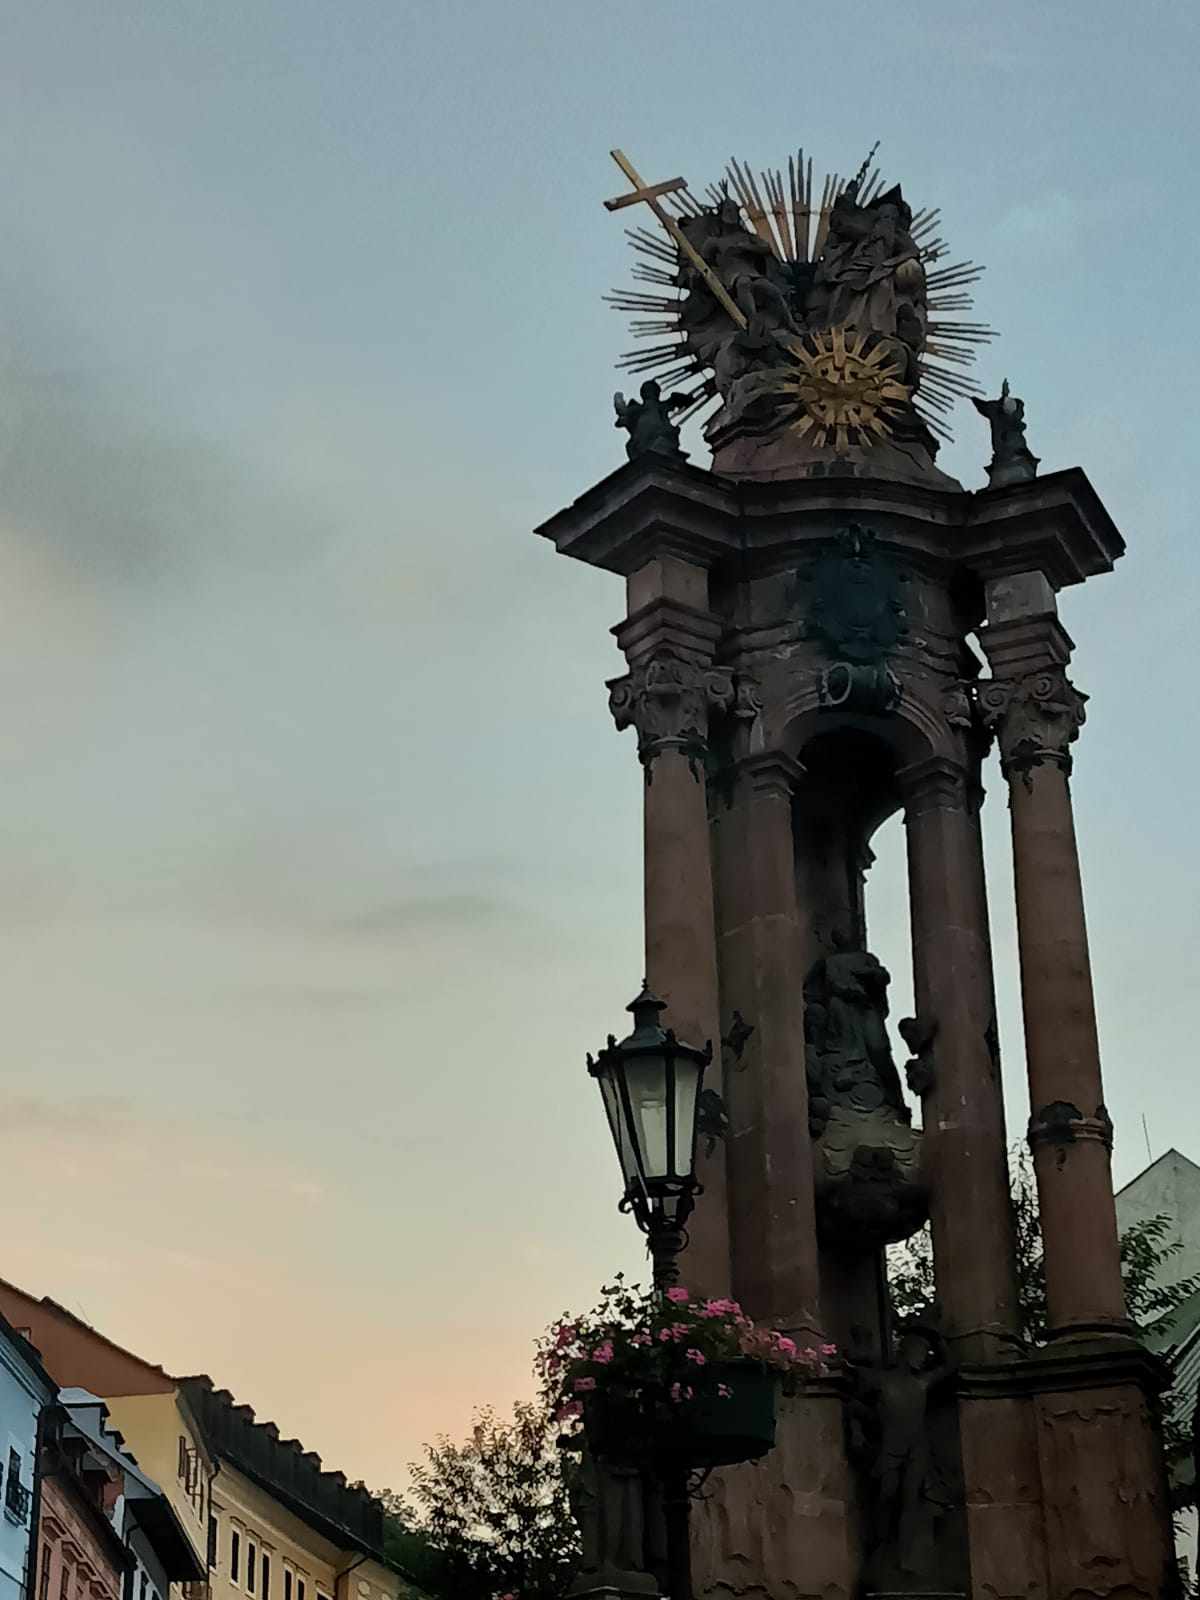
column 610, row 1094
column 646, row 1080
column 687, row 1090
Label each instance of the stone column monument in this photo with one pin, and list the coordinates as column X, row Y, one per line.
column 824, row 629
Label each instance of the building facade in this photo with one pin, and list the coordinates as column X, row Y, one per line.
column 27, row 1393
column 283, row 1528
column 261, row 1517
column 144, row 1405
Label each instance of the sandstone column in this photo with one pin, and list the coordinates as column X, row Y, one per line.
column 965, row 1145
column 1037, row 713
column 772, row 1219
column 669, row 640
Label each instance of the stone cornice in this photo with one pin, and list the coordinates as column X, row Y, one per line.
column 652, row 507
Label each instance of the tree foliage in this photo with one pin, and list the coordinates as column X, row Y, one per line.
column 489, row 1517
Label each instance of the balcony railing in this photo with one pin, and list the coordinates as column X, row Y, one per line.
column 17, row 1499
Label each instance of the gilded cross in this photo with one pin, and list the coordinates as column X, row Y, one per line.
column 651, row 195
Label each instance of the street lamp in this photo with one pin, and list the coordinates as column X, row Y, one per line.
column 650, row 1084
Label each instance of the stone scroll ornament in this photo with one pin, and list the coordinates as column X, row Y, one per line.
column 669, row 698
column 1035, row 718
column 830, row 315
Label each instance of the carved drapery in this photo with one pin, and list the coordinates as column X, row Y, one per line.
column 1035, row 718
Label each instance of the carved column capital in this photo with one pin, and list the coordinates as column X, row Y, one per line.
column 1035, row 718
column 935, row 784
column 769, row 773
column 668, row 698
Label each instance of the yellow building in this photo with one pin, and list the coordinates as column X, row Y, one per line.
column 282, row 1527
column 265, row 1520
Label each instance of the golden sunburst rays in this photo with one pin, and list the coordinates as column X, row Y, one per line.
column 784, row 209
column 846, row 384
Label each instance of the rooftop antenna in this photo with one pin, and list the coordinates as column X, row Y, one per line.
column 1146, row 1136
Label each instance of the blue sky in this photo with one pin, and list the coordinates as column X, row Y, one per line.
column 318, row 853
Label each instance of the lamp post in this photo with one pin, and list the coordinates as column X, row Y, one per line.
column 650, row 1083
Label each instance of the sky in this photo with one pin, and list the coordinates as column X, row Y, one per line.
column 319, row 855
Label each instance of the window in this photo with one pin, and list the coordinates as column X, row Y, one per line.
column 145, row 1584
column 183, row 1459
column 235, row 1556
column 287, row 1583
column 213, row 1546
column 251, row 1565
column 44, row 1575
column 299, row 1589
column 17, row 1497
column 66, row 1581
column 265, row 1574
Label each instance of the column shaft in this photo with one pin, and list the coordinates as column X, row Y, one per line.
column 965, row 1143
column 681, row 966
column 772, row 1218
column 1070, row 1130
column 1037, row 713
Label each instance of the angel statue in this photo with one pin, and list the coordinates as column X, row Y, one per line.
column 648, row 421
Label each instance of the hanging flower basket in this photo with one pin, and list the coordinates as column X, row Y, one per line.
column 670, row 1380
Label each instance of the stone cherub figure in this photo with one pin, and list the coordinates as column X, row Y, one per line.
column 1012, row 460
column 649, row 423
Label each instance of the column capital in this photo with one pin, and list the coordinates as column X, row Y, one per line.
column 770, row 772
column 667, row 697
column 1035, row 717
column 936, row 784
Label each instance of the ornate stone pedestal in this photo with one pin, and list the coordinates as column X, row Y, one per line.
column 803, row 663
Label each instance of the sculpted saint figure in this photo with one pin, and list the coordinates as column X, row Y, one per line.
column 870, row 266
column 907, row 1499
column 1012, row 460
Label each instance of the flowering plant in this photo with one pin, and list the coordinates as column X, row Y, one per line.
column 655, row 1348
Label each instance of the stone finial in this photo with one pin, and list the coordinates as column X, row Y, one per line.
column 1035, row 718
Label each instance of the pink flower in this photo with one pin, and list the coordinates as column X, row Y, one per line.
column 603, row 1353
column 678, row 1296
column 829, row 1350
column 583, row 1385
column 566, row 1334
column 698, row 1357
column 569, row 1409
column 721, row 1308
column 681, row 1391
column 665, row 1336
column 641, row 1337
column 724, row 1391
column 786, row 1347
